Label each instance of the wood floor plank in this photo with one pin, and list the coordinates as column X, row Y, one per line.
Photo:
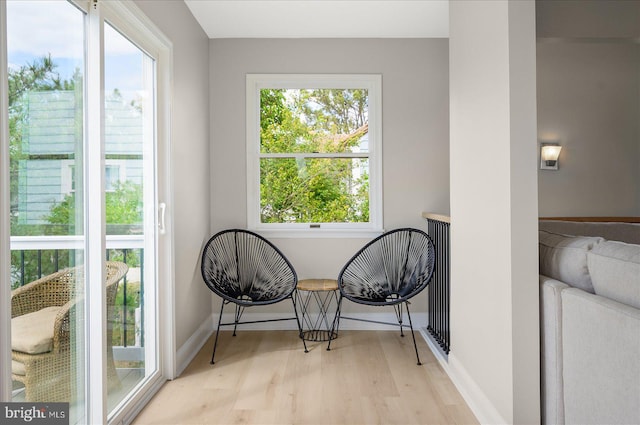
column 265, row 377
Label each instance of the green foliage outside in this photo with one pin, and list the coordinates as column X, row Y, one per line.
column 124, row 314
column 123, row 206
column 306, row 189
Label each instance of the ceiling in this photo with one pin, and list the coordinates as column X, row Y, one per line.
column 322, row 18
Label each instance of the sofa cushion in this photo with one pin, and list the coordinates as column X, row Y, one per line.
column 601, row 371
column 564, row 258
column 32, row 333
column 615, row 271
column 551, row 349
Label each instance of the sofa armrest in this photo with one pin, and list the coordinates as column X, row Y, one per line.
column 601, row 348
column 551, row 350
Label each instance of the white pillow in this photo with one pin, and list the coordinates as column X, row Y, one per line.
column 615, row 271
column 564, row 258
column 33, row 333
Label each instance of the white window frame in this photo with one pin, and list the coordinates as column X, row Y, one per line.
column 371, row 82
column 66, row 174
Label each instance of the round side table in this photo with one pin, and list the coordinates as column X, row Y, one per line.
column 319, row 295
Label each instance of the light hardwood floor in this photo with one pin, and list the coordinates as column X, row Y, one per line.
column 368, row 377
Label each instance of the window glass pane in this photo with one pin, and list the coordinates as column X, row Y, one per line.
column 45, row 43
column 129, row 141
column 314, row 190
column 112, row 177
column 125, row 97
column 314, row 120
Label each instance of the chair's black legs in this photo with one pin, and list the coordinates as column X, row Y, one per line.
column 295, row 311
column 336, row 323
column 215, row 343
column 412, row 334
column 239, row 311
column 398, row 309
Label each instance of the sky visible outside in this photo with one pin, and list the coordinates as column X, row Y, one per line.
column 36, row 28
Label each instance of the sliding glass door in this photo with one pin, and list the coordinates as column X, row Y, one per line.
column 129, row 170
column 83, row 144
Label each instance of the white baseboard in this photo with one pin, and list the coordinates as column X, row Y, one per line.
column 478, row 402
column 480, row 405
column 192, row 346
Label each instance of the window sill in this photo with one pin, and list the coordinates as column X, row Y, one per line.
column 319, row 233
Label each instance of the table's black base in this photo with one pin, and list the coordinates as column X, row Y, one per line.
column 323, row 295
column 318, row 335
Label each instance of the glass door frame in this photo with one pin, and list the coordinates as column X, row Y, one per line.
column 128, row 19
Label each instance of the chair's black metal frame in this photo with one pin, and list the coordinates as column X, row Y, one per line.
column 247, row 270
column 387, row 271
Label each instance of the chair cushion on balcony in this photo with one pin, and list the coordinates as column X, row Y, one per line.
column 18, row 368
column 33, row 333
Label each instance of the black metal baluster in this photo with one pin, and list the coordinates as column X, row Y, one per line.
column 125, row 307
column 141, row 297
column 22, row 268
column 39, row 257
column 448, row 283
column 439, row 291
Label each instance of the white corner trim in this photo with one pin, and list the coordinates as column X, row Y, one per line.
column 480, row 405
column 188, row 351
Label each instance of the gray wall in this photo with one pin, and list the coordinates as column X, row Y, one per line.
column 415, row 130
column 588, row 79
column 190, row 165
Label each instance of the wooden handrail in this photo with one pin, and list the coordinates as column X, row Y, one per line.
column 437, row 217
column 595, row 219
column 447, row 219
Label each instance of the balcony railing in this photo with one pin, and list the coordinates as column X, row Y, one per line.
column 33, row 257
column 439, row 288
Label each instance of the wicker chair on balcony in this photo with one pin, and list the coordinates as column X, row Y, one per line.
column 388, row 271
column 247, row 270
column 43, row 317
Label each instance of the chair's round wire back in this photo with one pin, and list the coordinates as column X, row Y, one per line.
column 390, row 269
column 244, row 268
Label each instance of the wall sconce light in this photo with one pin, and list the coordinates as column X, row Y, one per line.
column 549, row 153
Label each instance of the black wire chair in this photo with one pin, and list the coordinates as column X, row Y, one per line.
column 388, row 271
column 247, row 270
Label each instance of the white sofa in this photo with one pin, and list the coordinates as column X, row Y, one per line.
column 590, row 323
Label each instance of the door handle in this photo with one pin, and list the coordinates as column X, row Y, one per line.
column 162, row 208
